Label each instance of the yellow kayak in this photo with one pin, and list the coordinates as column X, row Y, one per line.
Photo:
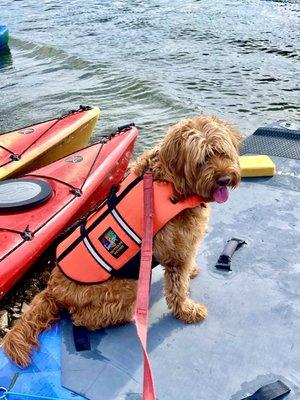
column 34, row 146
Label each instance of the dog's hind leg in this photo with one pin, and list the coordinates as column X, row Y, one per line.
column 20, row 340
column 111, row 303
column 92, row 317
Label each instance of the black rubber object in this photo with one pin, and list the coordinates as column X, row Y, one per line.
column 280, row 139
column 23, row 193
column 81, row 338
column 273, row 391
column 224, row 261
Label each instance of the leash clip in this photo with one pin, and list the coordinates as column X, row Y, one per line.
column 112, row 196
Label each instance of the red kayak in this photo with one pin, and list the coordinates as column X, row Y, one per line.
column 34, row 209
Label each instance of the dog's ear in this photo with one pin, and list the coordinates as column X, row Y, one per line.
column 173, row 149
column 170, row 154
column 236, row 138
column 145, row 161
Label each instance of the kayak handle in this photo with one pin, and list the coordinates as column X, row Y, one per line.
column 126, row 127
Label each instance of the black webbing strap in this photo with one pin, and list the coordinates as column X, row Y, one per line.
column 81, row 338
column 273, row 391
column 224, row 261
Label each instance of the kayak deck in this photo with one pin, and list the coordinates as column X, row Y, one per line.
column 34, row 146
column 43, row 376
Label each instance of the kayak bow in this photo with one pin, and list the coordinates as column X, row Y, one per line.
column 34, row 146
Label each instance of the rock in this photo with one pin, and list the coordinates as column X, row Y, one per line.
column 3, row 319
column 25, row 307
column 16, row 308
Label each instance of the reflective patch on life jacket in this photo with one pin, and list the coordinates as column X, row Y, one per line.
column 93, row 252
column 126, row 227
column 112, row 243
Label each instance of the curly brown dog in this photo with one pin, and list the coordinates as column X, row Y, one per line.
column 198, row 156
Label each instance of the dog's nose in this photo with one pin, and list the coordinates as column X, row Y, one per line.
column 224, row 181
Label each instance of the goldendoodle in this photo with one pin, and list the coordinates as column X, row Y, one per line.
column 198, row 156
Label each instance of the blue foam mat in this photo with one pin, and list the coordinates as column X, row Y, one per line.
column 43, row 376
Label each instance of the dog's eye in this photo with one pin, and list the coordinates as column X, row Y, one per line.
column 222, row 155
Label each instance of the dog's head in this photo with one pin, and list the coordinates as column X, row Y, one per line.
column 200, row 156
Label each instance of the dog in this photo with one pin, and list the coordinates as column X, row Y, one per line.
column 197, row 156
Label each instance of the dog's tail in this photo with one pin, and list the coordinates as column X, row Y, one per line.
column 23, row 337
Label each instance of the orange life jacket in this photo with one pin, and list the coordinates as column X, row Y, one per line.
column 108, row 242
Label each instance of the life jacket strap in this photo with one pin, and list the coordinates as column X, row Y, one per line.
column 81, row 338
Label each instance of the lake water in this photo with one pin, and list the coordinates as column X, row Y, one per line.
column 151, row 62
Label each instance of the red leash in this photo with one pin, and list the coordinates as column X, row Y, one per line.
column 143, row 289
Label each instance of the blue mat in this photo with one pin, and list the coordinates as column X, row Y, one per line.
column 43, row 377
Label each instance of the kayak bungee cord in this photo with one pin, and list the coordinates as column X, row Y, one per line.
column 74, row 190
column 77, row 192
column 103, row 142
column 71, row 112
column 4, row 393
column 17, row 157
column 26, row 234
column 6, row 149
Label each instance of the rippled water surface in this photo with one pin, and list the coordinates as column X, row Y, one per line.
column 152, row 62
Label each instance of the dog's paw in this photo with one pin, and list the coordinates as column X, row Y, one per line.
column 194, row 271
column 191, row 312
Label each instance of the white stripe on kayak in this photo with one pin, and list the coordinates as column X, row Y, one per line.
column 96, row 255
column 126, row 227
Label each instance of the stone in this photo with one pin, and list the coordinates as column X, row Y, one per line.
column 25, row 307
column 3, row 319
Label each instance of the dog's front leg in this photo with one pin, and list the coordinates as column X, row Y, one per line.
column 175, row 248
column 177, row 279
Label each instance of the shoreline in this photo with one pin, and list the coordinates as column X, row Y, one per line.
column 17, row 300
